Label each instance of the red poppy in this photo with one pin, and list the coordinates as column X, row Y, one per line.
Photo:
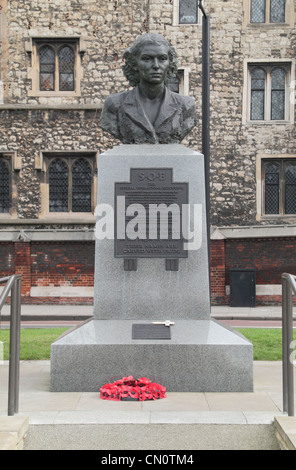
column 138, row 389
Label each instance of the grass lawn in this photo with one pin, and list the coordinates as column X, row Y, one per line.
column 35, row 342
column 267, row 343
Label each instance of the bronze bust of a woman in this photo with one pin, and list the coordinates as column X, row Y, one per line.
column 150, row 112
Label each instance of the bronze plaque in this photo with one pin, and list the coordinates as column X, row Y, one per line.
column 148, row 215
column 150, row 331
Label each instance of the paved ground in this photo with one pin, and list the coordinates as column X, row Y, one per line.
column 82, row 410
column 81, row 420
column 47, row 315
column 45, row 407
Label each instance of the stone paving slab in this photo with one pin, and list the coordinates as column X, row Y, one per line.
column 285, row 427
column 13, row 430
column 39, row 406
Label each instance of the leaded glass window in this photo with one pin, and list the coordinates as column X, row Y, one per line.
column 81, row 186
column 268, row 11
column 278, row 85
column 258, row 11
column 268, row 92
column 4, row 187
column 279, row 178
column 176, row 82
column 257, row 93
column 66, row 68
column 70, row 182
column 290, row 188
column 277, row 11
column 57, row 66
column 47, row 68
column 58, row 186
column 272, row 184
column 188, row 11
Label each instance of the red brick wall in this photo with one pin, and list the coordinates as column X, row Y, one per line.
column 218, row 271
column 22, row 260
column 72, row 264
column 49, row 264
column 7, row 267
column 270, row 257
column 67, row 263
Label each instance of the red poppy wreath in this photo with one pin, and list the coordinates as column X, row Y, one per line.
column 129, row 388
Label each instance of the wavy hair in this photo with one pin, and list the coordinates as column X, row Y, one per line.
column 132, row 53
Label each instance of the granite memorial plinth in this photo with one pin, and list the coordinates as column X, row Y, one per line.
column 149, row 280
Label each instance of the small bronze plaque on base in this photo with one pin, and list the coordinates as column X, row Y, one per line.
column 150, row 331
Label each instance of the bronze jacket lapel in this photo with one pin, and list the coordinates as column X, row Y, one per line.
column 167, row 111
column 133, row 109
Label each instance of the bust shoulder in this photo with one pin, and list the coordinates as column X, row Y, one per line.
column 115, row 100
column 183, row 100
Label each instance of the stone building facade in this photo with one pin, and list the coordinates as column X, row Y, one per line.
column 60, row 59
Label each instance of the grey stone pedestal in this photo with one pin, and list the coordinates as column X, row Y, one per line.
column 202, row 355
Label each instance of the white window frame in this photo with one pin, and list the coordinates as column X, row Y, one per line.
column 290, row 100
column 176, row 16
column 184, row 80
column 42, row 164
column 32, row 46
column 289, row 13
column 260, row 197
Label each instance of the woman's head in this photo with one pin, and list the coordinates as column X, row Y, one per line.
column 132, row 53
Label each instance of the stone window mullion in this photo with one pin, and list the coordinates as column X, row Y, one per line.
column 56, row 78
column 268, row 96
column 281, row 189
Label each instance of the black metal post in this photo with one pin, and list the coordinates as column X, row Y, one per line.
column 13, row 284
column 287, row 343
column 206, row 119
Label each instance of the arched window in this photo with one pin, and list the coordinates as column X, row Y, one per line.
column 268, row 85
column 279, row 177
column 81, row 186
column 57, row 65
column 47, row 68
column 258, row 93
column 58, row 186
column 278, row 86
column 70, row 182
column 66, row 68
column 4, row 187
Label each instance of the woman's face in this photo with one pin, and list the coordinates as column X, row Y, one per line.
column 153, row 63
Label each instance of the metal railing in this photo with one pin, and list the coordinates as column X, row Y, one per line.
column 13, row 285
column 288, row 290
